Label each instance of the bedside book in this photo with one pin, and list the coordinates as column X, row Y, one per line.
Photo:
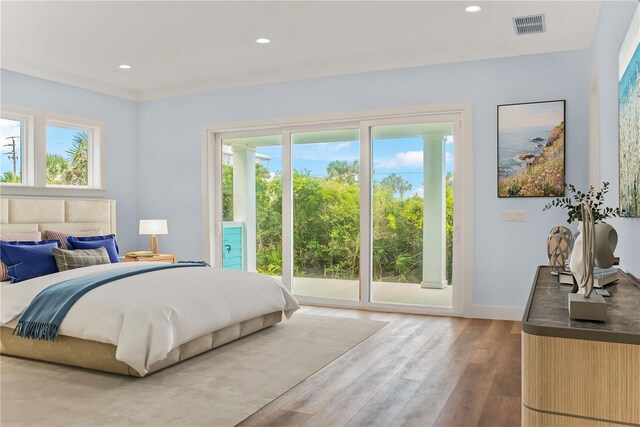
column 139, row 254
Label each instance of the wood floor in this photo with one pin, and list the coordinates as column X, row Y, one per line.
column 417, row 371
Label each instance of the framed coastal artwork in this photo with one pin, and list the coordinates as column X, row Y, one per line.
column 531, row 149
column 629, row 118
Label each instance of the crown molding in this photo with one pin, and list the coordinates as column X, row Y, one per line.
column 69, row 79
column 233, row 82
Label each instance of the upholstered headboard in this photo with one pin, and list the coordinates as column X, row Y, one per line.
column 19, row 214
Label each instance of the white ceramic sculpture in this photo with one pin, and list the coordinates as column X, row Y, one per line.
column 606, row 242
column 583, row 256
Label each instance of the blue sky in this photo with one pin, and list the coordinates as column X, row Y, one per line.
column 402, row 156
column 58, row 141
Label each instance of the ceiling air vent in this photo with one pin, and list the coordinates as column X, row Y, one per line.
column 529, row 24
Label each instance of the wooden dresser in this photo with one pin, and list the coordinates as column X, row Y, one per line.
column 580, row 373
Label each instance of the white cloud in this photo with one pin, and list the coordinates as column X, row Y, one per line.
column 9, row 128
column 406, row 159
column 337, row 146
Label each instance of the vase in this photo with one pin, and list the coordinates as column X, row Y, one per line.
column 559, row 243
column 606, row 242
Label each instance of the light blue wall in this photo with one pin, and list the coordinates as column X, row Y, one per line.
column 506, row 254
column 612, row 27
column 164, row 181
column 119, row 116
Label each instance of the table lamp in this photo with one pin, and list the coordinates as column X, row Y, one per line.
column 153, row 227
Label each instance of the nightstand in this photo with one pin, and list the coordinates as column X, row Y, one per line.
column 160, row 257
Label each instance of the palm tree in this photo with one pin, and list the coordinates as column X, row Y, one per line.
column 343, row 171
column 78, row 154
column 56, row 169
column 397, row 184
column 10, row 177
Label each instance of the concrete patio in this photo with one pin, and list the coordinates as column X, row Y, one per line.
column 402, row 293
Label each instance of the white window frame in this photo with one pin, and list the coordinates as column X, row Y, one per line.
column 26, row 147
column 212, row 137
column 34, row 153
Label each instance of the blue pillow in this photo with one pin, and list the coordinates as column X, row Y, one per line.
column 27, row 260
column 95, row 242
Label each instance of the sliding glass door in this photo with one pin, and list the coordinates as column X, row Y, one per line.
column 326, row 213
column 358, row 214
column 252, row 204
column 412, row 213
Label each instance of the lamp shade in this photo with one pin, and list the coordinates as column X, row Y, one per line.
column 153, row 226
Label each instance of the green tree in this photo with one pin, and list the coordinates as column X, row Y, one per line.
column 344, row 171
column 449, row 225
column 396, row 184
column 77, row 172
column 74, row 169
column 327, row 225
column 268, row 221
column 227, row 193
column 397, row 236
column 9, row 177
column 56, row 169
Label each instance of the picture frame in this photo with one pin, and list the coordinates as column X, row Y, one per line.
column 531, row 149
column 628, row 113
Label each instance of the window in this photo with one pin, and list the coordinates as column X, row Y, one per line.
column 46, row 153
column 11, row 138
column 67, row 155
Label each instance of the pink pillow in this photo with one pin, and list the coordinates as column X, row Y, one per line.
column 62, row 236
column 27, row 236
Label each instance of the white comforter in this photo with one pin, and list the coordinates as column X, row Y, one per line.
column 148, row 315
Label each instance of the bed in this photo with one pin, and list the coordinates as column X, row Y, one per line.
column 138, row 325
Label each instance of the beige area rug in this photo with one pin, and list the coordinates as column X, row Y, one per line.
column 218, row 388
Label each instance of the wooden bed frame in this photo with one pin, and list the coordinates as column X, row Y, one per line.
column 102, row 357
column 22, row 214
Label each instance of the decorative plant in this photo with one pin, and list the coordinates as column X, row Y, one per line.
column 595, row 201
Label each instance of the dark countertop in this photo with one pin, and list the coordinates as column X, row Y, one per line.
column 547, row 311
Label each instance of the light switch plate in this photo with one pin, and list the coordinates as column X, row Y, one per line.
column 513, row 216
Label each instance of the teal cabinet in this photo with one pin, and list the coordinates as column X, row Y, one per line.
column 232, row 239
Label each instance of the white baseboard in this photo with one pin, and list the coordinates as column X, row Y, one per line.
column 475, row 312
column 494, row 312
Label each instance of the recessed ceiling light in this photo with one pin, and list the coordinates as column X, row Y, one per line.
column 473, row 9
column 124, row 67
column 263, row 40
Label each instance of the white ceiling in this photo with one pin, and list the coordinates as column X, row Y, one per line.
column 185, row 47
